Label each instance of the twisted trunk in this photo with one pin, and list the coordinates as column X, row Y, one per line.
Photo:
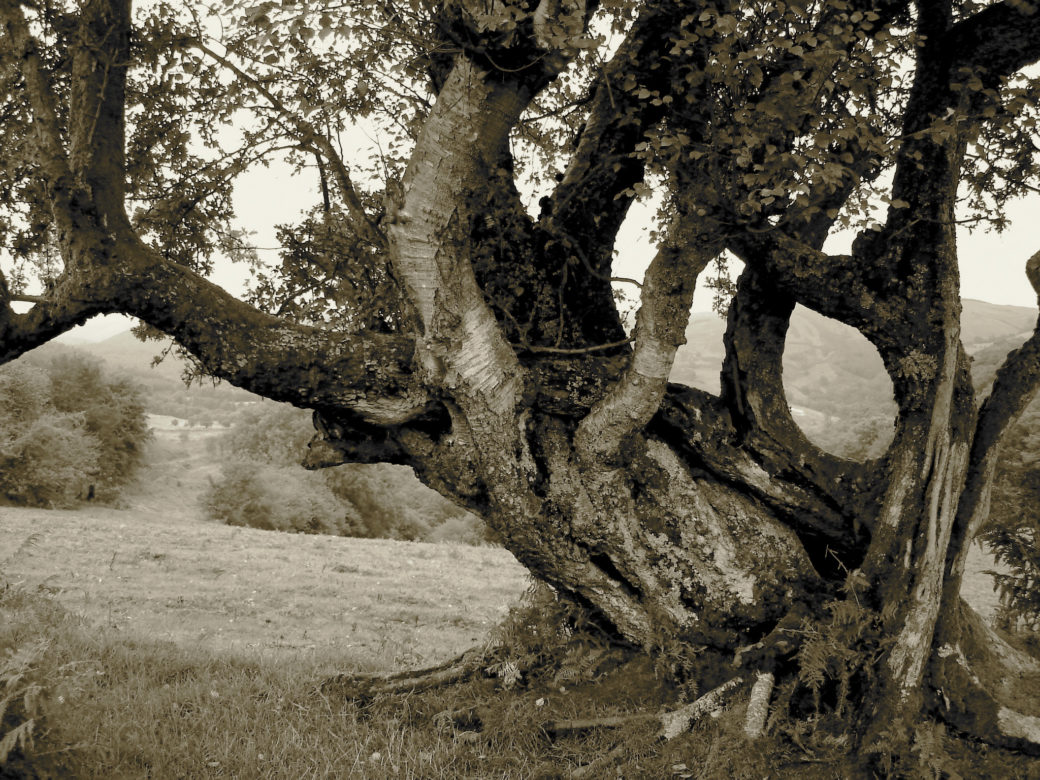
column 675, row 516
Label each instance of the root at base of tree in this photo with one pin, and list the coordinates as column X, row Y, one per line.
column 672, row 723
column 987, row 689
column 362, row 688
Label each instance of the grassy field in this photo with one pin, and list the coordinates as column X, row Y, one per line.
column 158, row 570
column 144, row 641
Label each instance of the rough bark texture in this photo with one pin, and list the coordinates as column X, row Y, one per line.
column 673, row 515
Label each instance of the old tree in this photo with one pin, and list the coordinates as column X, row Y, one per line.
column 433, row 312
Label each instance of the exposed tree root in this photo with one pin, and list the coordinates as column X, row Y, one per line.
column 986, row 688
column 673, row 723
column 365, row 687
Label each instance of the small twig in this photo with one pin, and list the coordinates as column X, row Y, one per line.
column 576, row 351
column 30, row 298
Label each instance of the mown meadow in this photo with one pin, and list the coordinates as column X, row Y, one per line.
column 143, row 640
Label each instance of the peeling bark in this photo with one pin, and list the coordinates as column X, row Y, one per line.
column 672, row 515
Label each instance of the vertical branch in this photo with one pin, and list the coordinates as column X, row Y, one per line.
column 463, row 345
column 664, row 310
column 97, row 101
column 1015, row 386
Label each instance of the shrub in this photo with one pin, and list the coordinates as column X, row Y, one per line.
column 50, row 462
column 270, row 433
column 279, row 498
column 388, row 501
column 67, row 431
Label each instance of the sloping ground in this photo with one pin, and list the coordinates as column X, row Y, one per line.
column 155, row 569
column 381, row 603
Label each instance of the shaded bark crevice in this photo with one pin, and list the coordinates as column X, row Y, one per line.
column 982, row 686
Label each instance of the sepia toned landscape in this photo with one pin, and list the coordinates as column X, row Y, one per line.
column 520, row 389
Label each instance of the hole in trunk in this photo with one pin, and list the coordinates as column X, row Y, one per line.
column 837, row 387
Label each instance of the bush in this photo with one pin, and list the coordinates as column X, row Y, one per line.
column 388, row 501
column 66, row 431
column 51, row 462
column 461, row 529
column 270, row 433
column 279, row 498
column 113, row 413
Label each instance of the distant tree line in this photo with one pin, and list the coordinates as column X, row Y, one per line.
column 68, row 432
column 262, row 485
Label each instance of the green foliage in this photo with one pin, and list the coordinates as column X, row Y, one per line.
column 67, row 432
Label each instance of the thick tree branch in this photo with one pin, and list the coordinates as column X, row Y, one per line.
column 820, row 508
column 1016, row 385
column 49, row 318
column 370, row 374
column 664, row 310
column 463, row 348
column 590, row 203
column 97, row 104
column 996, row 42
column 753, row 391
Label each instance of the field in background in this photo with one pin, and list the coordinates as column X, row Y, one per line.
column 157, row 570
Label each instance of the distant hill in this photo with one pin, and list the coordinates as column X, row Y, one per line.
column 834, row 376
column 129, row 354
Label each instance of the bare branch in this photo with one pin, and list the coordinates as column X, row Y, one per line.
column 664, row 310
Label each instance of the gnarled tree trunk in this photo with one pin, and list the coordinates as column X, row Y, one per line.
column 673, row 514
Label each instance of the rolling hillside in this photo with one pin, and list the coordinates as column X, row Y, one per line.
column 833, row 376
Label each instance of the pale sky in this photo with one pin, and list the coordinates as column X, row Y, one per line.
column 992, row 266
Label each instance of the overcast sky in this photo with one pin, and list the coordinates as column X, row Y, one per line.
column 992, row 266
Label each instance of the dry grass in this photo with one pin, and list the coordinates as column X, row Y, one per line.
column 172, row 647
column 157, row 570
column 250, row 593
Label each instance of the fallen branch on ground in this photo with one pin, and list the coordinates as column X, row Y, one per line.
column 673, row 723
